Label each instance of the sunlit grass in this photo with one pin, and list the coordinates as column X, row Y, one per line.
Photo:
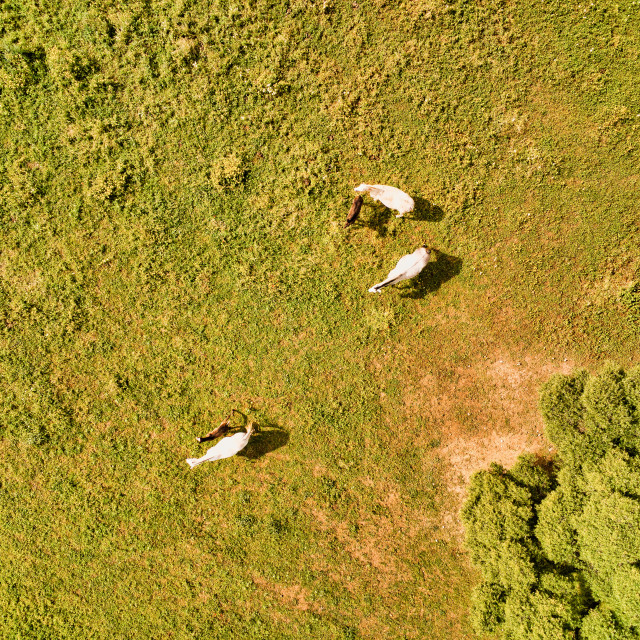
column 174, row 181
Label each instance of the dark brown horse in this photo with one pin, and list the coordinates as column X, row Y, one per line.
column 354, row 212
column 221, row 429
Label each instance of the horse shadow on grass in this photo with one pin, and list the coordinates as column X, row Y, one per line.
column 267, row 437
column 425, row 211
column 377, row 217
column 433, row 276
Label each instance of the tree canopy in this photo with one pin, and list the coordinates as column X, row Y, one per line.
column 558, row 542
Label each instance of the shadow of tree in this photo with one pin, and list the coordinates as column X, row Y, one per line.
column 267, row 438
column 433, row 276
column 425, row 210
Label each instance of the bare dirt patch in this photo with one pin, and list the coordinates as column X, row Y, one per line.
column 511, row 424
column 487, row 411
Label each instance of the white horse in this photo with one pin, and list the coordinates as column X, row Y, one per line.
column 225, row 448
column 408, row 266
column 389, row 196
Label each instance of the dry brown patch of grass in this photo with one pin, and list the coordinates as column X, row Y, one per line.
column 294, row 595
column 487, row 411
column 502, row 417
column 373, row 549
column 552, row 111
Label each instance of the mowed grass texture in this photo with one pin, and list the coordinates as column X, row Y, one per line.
column 174, row 180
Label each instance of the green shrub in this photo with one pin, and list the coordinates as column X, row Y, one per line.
column 558, row 547
column 601, row 624
column 498, row 510
column 625, row 594
column 554, row 530
column 563, row 413
column 611, row 415
column 488, row 601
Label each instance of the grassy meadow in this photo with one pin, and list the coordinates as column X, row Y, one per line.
column 174, row 181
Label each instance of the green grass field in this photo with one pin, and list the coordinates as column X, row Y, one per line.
column 174, row 181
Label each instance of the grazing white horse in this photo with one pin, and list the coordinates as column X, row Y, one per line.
column 408, row 266
column 389, row 196
column 225, row 448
